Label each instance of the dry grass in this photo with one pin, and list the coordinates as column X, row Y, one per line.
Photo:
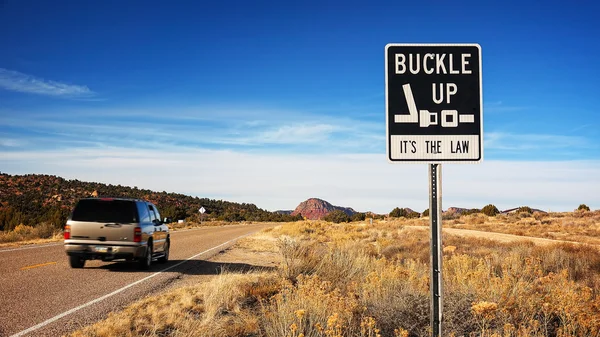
column 23, row 234
column 261, row 242
column 226, row 306
column 175, row 226
column 581, row 226
column 364, row 279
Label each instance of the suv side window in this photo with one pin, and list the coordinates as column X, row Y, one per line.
column 157, row 214
column 143, row 211
column 151, row 211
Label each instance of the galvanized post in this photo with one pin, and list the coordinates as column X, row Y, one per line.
column 435, row 220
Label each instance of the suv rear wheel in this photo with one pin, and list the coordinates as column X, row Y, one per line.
column 165, row 257
column 76, row 261
column 146, row 261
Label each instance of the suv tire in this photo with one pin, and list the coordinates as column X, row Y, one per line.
column 165, row 257
column 76, row 261
column 146, row 261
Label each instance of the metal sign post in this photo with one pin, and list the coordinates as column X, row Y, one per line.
column 435, row 220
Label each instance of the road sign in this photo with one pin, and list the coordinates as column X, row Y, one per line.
column 202, row 210
column 434, row 109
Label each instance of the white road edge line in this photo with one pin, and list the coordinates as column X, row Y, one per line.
column 31, row 247
column 66, row 313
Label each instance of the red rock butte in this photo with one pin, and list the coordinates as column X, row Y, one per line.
column 315, row 209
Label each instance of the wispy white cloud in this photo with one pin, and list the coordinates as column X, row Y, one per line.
column 299, row 133
column 581, row 127
column 282, row 134
column 15, row 81
column 210, row 126
column 499, row 107
column 10, row 142
column 527, row 142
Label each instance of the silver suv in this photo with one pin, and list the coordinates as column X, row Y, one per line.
column 116, row 228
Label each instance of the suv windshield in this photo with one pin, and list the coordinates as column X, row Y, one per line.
column 98, row 210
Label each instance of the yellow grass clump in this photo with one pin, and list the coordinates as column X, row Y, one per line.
column 223, row 307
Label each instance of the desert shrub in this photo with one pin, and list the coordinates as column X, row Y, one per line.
column 524, row 209
column 358, row 216
column 490, row 210
column 403, row 212
column 24, row 232
column 44, row 230
column 391, row 251
column 426, row 212
column 309, row 308
column 581, row 262
column 10, row 236
column 394, row 304
column 337, row 216
column 413, row 215
column 450, row 216
column 471, row 211
column 299, row 257
column 583, row 207
column 344, row 264
column 540, row 215
column 475, row 219
column 398, row 212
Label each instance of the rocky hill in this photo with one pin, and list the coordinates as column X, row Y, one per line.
column 315, row 209
column 455, row 210
column 35, row 198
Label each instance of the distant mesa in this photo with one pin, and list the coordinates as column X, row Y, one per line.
column 316, row 209
column 516, row 209
column 409, row 210
column 284, row 212
column 455, row 211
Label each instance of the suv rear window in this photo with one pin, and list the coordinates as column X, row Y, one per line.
column 98, row 210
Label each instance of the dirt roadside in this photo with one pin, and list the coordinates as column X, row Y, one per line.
column 500, row 237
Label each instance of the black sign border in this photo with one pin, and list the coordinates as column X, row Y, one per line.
column 387, row 121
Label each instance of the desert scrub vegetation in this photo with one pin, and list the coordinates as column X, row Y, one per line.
column 24, row 233
column 491, row 289
column 226, row 306
column 580, row 226
column 359, row 279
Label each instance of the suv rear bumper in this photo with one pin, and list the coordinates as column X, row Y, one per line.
column 105, row 252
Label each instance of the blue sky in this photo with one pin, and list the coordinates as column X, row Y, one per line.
column 273, row 102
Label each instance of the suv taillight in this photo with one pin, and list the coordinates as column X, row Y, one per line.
column 67, row 232
column 137, row 234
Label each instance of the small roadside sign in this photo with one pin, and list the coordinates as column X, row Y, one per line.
column 202, row 210
column 434, row 106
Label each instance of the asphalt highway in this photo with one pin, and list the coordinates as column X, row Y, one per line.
column 40, row 295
